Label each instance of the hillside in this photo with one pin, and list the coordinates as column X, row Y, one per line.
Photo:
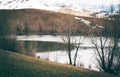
column 17, row 65
column 43, row 22
column 35, row 21
column 72, row 12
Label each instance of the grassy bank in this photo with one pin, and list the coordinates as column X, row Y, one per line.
column 17, row 65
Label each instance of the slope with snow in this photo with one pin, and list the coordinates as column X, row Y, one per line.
column 79, row 7
column 88, row 23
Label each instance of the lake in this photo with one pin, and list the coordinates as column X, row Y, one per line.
column 86, row 56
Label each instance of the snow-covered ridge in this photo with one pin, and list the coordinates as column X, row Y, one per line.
column 77, row 6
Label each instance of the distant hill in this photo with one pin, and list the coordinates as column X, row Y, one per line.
column 36, row 21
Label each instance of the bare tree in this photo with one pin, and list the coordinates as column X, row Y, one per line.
column 107, row 45
column 41, row 24
column 69, row 30
column 20, row 28
column 77, row 44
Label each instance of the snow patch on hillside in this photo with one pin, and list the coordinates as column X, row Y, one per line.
column 88, row 23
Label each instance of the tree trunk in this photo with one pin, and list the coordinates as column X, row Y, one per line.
column 69, row 51
column 76, row 54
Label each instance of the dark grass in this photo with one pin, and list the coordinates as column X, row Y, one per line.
column 17, row 65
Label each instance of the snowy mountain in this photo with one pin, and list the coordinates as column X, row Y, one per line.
column 79, row 7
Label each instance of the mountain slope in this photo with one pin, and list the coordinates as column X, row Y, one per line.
column 37, row 20
column 45, row 22
column 79, row 6
column 73, row 12
column 17, row 65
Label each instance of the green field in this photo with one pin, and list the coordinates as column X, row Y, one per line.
column 18, row 65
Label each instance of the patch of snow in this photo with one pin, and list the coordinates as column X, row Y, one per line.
column 83, row 20
column 99, row 26
column 88, row 23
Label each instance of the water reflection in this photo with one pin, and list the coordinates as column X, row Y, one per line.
column 52, row 48
column 86, row 57
column 41, row 46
